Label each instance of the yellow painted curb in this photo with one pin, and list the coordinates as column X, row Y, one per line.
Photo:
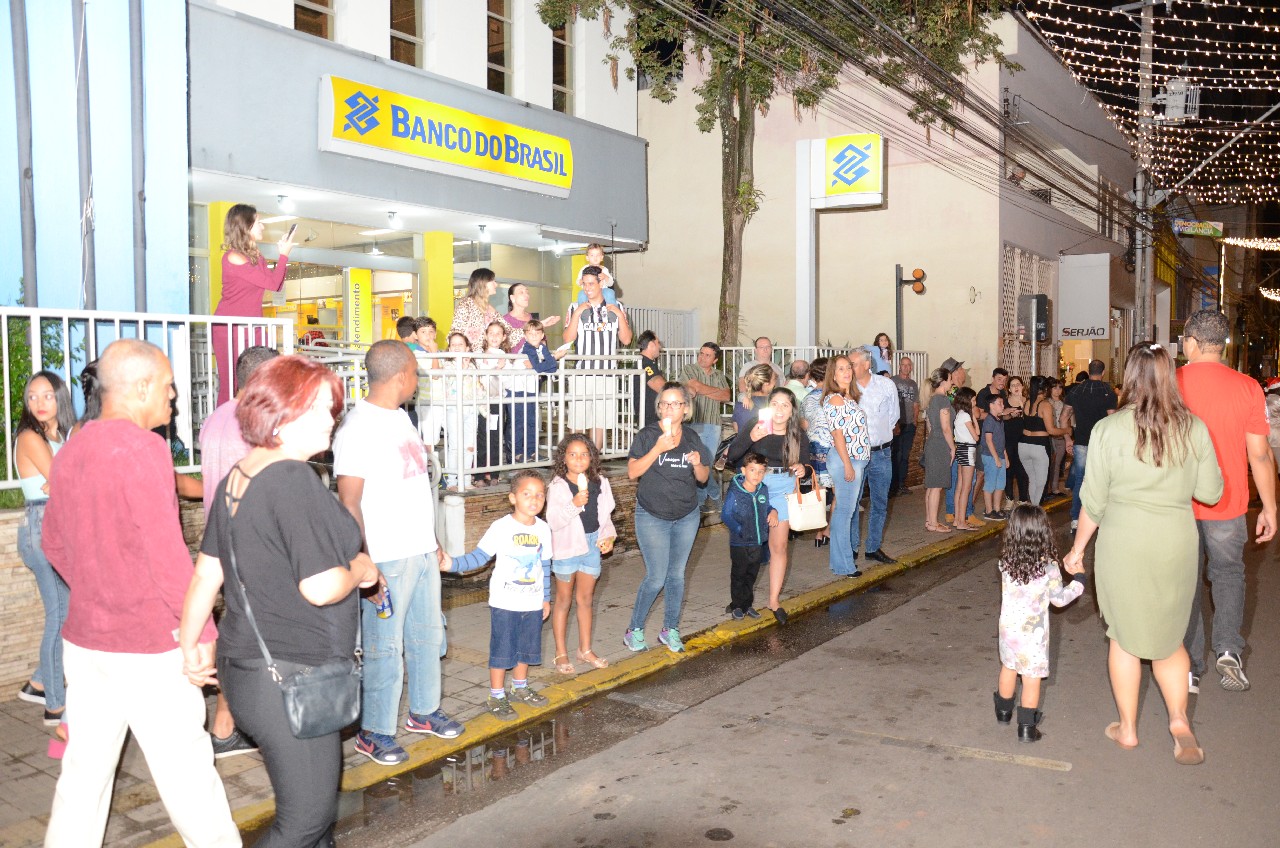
column 565, row 694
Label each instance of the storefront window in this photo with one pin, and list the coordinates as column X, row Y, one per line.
column 314, row 17
column 562, row 68
column 406, row 32
column 499, row 57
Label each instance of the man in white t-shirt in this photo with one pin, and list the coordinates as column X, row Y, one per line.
column 764, row 356
column 384, row 480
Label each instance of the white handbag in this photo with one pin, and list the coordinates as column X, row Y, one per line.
column 807, row 512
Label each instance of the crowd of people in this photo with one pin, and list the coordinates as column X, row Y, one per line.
column 309, row 580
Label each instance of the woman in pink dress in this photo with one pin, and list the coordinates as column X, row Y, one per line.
column 245, row 276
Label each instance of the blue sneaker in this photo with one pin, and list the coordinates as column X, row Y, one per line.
column 634, row 640
column 671, row 638
column 380, row 748
column 436, row 723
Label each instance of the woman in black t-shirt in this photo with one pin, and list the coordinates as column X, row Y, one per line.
column 780, row 439
column 298, row 555
column 671, row 464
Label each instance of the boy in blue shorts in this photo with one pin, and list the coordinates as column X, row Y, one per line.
column 747, row 516
column 519, row 592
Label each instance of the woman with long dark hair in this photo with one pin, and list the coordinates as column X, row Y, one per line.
column 1146, row 464
column 1035, row 448
column 245, row 276
column 46, row 420
column 780, row 439
column 1016, row 484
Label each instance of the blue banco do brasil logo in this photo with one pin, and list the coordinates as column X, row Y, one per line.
column 363, row 109
column 851, row 164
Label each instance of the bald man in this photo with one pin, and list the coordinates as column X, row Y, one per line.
column 113, row 534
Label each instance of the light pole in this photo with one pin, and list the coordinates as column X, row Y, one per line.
column 916, row 281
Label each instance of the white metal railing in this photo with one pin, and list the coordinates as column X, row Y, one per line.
column 65, row 340
column 732, row 360
column 488, row 414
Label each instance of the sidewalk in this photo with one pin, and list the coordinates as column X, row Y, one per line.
column 27, row 775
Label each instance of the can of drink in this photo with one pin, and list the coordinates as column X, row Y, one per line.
column 383, row 603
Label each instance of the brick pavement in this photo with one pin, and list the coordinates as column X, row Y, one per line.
column 27, row 775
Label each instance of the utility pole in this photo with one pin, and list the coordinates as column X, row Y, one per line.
column 1143, row 231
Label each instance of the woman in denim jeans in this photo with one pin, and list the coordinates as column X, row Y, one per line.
column 851, row 446
column 47, row 417
column 671, row 464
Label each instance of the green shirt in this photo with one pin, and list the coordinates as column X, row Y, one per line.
column 705, row 410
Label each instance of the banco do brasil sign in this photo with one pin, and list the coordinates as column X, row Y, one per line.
column 374, row 123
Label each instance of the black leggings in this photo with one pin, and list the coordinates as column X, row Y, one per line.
column 304, row 773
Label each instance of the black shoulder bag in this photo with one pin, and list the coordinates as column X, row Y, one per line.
column 318, row 700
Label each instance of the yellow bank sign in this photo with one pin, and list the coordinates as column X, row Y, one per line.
column 375, row 123
column 846, row 170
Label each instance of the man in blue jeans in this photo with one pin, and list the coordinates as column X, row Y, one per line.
column 1231, row 405
column 880, row 402
column 1090, row 401
column 384, row 480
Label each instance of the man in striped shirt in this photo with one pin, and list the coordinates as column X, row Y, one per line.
column 597, row 328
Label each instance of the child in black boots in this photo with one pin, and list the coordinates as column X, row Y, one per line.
column 1030, row 582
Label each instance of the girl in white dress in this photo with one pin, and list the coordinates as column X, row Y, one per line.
column 1029, row 582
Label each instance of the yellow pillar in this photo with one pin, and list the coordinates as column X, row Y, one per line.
column 435, row 281
column 217, row 216
column 576, row 263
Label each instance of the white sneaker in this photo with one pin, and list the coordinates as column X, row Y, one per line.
column 1232, row 671
column 1074, row 524
column 1193, row 683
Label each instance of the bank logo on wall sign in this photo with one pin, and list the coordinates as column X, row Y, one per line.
column 387, row 126
column 846, row 170
column 361, row 117
column 851, row 164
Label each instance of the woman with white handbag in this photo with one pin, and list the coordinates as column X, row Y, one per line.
column 780, row 439
column 851, row 443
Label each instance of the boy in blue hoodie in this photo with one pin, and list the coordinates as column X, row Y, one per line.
column 747, row 516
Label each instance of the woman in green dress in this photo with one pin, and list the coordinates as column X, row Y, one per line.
column 1146, row 463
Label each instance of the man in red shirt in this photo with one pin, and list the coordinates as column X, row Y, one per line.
column 1233, row 408
column 111, row 530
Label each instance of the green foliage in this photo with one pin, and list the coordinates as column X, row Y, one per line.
column 797, row 48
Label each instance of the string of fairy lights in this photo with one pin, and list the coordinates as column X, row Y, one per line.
column 1229, row 50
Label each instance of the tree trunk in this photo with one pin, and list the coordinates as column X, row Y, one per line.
column 737, row 136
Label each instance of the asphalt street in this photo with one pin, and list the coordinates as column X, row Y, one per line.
column 868, row 723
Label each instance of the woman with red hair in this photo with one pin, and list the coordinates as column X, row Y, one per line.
column 298, row 556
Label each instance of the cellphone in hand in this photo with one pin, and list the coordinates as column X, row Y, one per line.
column 293, row 228
column 766, row 416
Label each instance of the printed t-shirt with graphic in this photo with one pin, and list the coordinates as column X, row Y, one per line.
column 597, row 334
column 668, row 490
column 908, row 396
column 383, row 447
column 1231, row 405
column 521, row 578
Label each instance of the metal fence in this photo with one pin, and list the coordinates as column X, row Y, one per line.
column 65, row 340
column 487, row 413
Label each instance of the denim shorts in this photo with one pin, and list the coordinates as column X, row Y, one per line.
column 514, row 637
column 780, row 485
column 588, row 563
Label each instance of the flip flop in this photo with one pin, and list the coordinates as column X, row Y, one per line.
column 937, row 528
column 1186, row 750
column 1113, row 733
